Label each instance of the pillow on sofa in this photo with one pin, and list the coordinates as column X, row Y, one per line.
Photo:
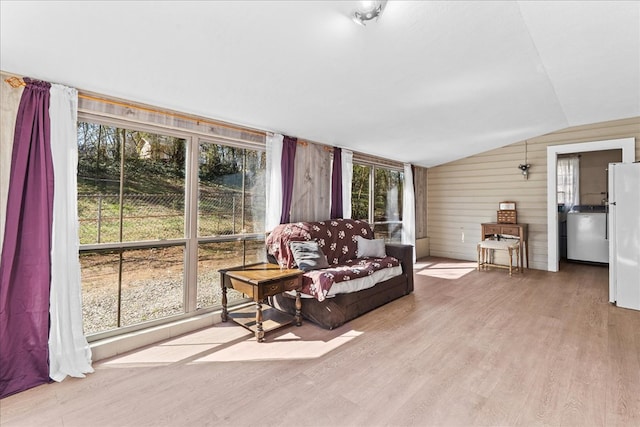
column 371, row 248
column 308, row 255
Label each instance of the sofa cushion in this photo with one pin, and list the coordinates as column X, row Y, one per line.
column 370, row 248
column 336, row 237
column 317, row 283
column 308, row 255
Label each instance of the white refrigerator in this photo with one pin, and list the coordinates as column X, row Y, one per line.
column 624, row 234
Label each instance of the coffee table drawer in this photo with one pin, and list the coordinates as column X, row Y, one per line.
column 270, row 289
column 292, row 283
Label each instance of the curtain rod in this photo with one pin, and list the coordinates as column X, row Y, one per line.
column 16, row 82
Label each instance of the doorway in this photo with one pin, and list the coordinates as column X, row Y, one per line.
column 553, row 241
column 582, row 191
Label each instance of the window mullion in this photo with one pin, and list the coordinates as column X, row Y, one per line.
column 121, row 224
column 191, row 226
column 372, row 197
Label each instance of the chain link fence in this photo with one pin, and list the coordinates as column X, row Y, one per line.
column 161, row 216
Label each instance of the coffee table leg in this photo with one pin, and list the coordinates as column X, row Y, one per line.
column 224, row 302
column 259, row 330
column 298, row 309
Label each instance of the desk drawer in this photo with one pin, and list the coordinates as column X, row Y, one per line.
column 492, row 229
column 514, row 231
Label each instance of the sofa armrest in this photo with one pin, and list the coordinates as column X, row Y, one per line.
column 404, row 254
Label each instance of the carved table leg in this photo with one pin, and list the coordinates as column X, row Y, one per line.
column 298, row 309
column 224, row 302
column 259, row 330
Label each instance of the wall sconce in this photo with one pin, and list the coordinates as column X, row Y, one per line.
column 524, row 167
column 368, row 10
column 525, row 170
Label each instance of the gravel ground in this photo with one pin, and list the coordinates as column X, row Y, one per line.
column 145, row 300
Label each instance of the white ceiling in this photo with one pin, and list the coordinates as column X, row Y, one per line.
column 428, row 83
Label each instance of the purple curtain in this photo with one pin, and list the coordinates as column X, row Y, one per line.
column 336, row 184
column 288, row 167
column 25, row 267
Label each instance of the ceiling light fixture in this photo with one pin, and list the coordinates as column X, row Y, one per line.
column 368, row 10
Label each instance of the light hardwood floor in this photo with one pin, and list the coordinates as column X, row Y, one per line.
column 466, row 348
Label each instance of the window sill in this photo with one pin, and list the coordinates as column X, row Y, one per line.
column 114, row 346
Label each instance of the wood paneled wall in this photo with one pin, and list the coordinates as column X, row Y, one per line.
column 463, row 194
column 420, row 188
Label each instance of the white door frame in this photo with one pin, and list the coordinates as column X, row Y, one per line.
column 628, row 146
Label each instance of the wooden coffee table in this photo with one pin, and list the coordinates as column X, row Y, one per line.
column 258, row 282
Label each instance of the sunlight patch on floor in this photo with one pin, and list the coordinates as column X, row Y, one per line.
column 419, row 265
column 181, row 348
column 232, row 342
column 446, row 270
column 287, row 346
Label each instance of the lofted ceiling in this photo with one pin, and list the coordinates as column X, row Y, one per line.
column 430, row 82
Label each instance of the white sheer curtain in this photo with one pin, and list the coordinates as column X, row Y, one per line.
column 9, row 102
column 69, row 352
column 569, row 182
column 347, row 177
column 273, row 183
column 311, row 199
column 409, row 210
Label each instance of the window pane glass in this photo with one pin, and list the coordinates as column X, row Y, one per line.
column 151, row 287
column 391, row 232
column 231, row 192
column 99, row 291
column 255, row 251
column 388, row 195
column 152, row 284
column 215, row 256
column 130, row 185
column 360, row 192
column 254, row 199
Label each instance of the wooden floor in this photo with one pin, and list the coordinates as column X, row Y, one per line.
column 467, row 348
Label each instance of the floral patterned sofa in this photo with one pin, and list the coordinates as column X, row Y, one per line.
column 351, row 285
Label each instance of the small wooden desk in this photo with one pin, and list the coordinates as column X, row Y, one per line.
column 258, row 282
column 519, row 230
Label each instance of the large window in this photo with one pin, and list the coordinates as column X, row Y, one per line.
column 376, row 197
column 160, row 213
column 231, row 209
